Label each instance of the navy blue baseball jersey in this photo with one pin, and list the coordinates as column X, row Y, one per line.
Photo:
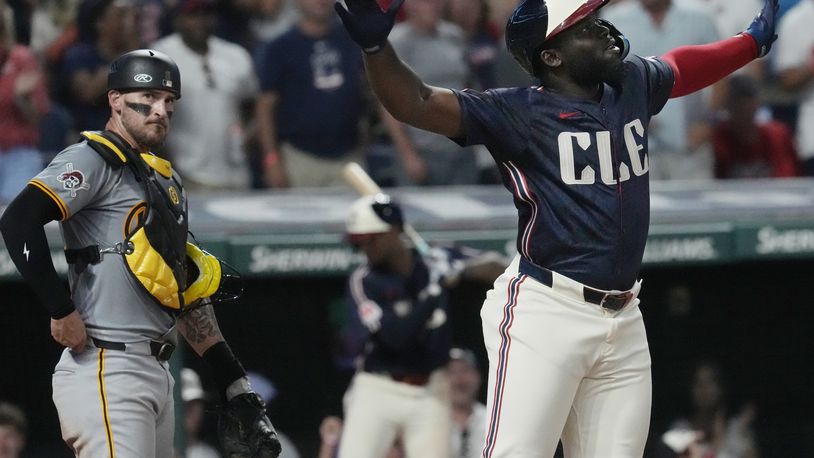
column 408, row 330
column 577, row 169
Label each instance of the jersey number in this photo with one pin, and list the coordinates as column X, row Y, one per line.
column 639, row 164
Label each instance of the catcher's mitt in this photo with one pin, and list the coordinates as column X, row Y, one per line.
column 245, row 431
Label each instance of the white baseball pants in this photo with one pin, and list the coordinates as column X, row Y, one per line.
column 378, row 409
column 563, row 368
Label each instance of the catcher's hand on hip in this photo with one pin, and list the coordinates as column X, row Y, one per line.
column 366, row 23
column 762, row 28
column 70, row 331
column 245, row 431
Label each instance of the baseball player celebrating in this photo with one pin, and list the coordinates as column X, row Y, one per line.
column 400, row 297
column 567, row 347
column 133, row 276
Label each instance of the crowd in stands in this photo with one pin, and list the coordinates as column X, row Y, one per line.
column 274, row 93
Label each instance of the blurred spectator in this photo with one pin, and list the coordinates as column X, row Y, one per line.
column 195, row 401
column 272, row 18
column 308, row 115
column 481, row 39
column 680, row 134
column 151, row 18
column 266, row 389
column 794, row 61
column 107, row 28
column 233, row 21
column 483, row 46
column 23, row 101
column 13, row 428
column 206, row 143
column 330, row 430
column 435, row 50
column 507, row 72
column 468, row 414
column 745, row 146
column 49, row 20
column 711, row 433
column 730, row 17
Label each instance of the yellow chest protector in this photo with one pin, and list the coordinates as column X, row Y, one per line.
column 156, row 248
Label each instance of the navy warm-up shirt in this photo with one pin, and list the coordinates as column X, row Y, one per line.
column 406, row 332
column 577, row 169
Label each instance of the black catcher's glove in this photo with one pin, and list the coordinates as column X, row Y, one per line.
column 366, row 23
column 245, row 431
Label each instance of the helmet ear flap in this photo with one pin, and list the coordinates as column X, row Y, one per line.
column 621, row 41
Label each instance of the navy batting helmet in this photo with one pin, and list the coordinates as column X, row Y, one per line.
column 535, row 21
column 144, row 69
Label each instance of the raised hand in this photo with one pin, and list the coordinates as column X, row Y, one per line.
column 762, row 28
column 366, row 23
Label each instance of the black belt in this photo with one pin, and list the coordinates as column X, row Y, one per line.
column 161, row 350
column 601, row 298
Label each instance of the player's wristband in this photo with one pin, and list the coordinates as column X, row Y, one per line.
column 62, row 311
column 225, row 366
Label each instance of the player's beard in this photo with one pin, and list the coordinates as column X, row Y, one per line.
column 150, row 135
column 593, row 72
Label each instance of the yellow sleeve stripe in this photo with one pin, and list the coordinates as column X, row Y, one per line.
column 111, row 449
column 63, row 209
column 106, row 142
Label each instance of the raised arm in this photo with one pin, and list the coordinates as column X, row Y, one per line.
column 399, row 89
column 696, row 67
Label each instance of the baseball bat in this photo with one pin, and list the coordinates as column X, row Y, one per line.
column 356, row 176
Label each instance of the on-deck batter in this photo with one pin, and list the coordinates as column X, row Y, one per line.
column 567, row 347
column 399, row 298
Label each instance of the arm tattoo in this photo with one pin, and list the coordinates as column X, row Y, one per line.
column 199, row 325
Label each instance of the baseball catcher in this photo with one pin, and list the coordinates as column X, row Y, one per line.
column 136, row 281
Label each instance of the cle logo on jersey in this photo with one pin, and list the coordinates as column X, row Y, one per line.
column 72, row 180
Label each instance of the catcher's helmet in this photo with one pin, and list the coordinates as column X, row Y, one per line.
column 144, row 69
column 535, row 21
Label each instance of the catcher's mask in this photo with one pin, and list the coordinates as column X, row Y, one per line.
column 370, row 215
column 144, row 69
column 534, row 22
